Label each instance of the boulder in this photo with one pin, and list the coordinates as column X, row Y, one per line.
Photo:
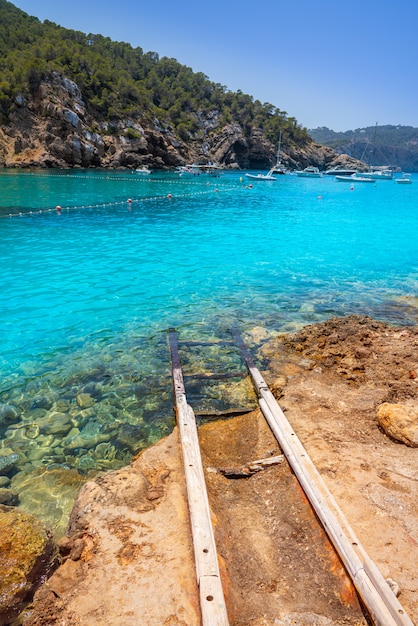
column 400, row 422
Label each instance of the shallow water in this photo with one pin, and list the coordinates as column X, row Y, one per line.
column 89, row 291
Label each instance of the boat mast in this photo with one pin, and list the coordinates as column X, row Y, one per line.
column 278, row 149
column 374, row 145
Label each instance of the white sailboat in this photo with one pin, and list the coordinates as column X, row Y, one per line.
column 276, row 169
column 279, row 168
column 378, row 173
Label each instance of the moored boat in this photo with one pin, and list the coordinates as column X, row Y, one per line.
column 354, row 178
column 187, row 169
column 279, row 168
column 379, row 174
column 143, row 170
column 195, row 169
column 310, row 171
column 340, row 171
column 268, row 176
column 404, row 180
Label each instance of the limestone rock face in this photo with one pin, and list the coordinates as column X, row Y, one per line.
column 56, row 129
column 26, row 554
column 400, row 422
column 229, row 144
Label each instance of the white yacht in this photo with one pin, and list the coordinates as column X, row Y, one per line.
column 310, row 171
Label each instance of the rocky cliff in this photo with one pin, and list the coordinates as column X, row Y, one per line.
column 55, row 129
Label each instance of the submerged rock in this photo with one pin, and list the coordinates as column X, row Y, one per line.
column 27, row 554
column 8, row 413
column 50, row 493
column 7, row 462
column 84, row 400
column 55, row 424
column 9, row 497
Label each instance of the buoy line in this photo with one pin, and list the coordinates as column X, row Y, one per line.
column 133, row 178
column 130, row 201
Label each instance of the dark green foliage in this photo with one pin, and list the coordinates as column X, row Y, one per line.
column 116, row 79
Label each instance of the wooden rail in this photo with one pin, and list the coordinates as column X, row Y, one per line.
column 379, row 600
column 212, row 600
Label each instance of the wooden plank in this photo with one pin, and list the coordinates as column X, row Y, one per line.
column 212, row 601
column 307, row 478
column 382, row 604
column 215, row 375
column 190, row 342
column 207, row 568
column 250, row 468
column 224, row 413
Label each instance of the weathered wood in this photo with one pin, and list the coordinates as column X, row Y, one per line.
column 191, row 342
column 225, row 413
column 212, row 602
column 215, row 375
column 213, row 606
column 320, row 501
column 247, row 470
column 382, row 605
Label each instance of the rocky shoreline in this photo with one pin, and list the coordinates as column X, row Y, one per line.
column 349, row 388
column 55, row 130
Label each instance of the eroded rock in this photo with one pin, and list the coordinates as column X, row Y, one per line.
column 400, row 422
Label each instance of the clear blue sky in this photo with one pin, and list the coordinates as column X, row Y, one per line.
column 344, row 65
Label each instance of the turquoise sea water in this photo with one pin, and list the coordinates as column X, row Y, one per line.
column 89, row 291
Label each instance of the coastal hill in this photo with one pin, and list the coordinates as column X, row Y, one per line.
column 70, row 99
column 394, row 146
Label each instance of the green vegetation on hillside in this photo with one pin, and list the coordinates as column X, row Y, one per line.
column 117, row 80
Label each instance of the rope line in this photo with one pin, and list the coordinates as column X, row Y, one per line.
column 129, row 201
column 133, row 178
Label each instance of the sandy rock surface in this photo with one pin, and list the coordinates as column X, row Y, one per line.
column 331, row 379
column 128, row 556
